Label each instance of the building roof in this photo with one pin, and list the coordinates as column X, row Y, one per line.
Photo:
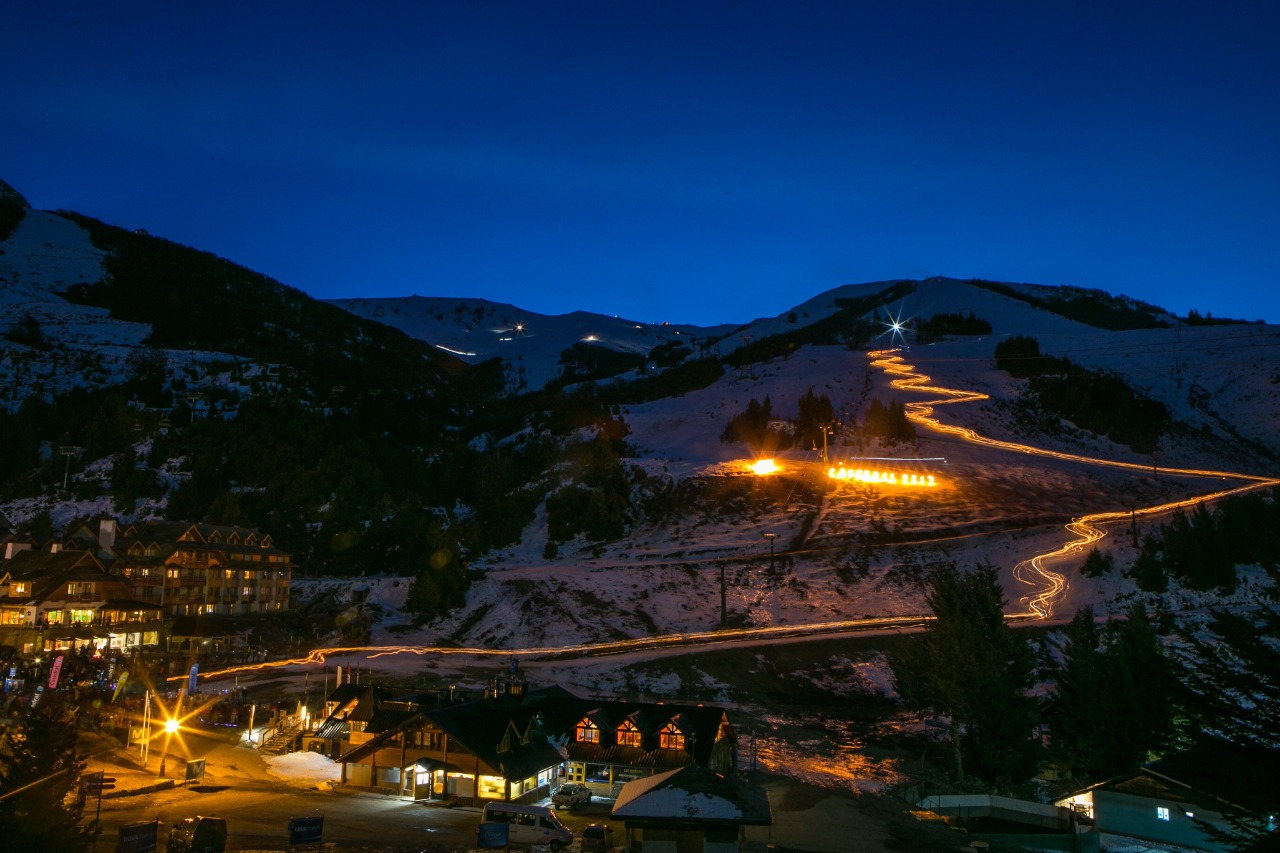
column 693, row 796
column 49, row 572
column 1213, row 775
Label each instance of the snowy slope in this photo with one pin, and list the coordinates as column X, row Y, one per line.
column 476, row 330
column 43, row 257
column 996, row 506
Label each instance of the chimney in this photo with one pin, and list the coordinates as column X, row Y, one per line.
column 107, row 534
column 11, row 548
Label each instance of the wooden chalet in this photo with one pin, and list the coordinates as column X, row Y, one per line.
column 515, row 745
column 55, row 599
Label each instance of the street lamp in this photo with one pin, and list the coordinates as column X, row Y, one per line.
column 771, row 537
column 170, row 726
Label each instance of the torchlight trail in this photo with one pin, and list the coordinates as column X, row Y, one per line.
column 1087, row 529
column 318, row 656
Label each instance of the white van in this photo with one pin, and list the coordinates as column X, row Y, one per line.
column 529, row 824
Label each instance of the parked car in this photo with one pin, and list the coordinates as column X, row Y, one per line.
column 198, row 835
column 571, row 795
column 528, row 824
column 597, row 837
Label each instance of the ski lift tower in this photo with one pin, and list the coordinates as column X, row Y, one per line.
column 68, row 451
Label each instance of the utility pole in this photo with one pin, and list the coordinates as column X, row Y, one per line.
column 771, row 537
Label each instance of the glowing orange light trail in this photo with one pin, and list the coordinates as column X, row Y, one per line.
column 1087, row 529
column 318, row 656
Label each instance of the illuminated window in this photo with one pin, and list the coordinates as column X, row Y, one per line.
column 671, row 737
column 628, row 734
column 587, row 732
column 1162, row 813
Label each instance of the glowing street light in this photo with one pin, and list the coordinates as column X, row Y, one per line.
column 170, row 726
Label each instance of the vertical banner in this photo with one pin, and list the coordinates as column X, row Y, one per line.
column 191, row 679
column 124, row 676
column 57, row 670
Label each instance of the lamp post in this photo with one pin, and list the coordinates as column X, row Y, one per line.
column 771, row 537
column 170, row 726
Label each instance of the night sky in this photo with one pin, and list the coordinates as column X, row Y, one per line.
column 698, row 162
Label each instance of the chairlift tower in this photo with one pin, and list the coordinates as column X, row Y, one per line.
column 68, row 451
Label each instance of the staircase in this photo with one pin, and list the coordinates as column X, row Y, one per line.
column 283, row 740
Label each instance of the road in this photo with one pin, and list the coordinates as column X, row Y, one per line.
column 258, row 806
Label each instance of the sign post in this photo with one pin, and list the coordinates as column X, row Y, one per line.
column 95, row 784
column 195, row 770
column 138, row 837
column 306, row 830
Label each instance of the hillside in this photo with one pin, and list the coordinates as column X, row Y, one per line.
column 528, row 479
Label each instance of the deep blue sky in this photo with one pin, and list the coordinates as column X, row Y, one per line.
column 688, row 161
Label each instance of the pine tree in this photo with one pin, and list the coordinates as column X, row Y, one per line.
column 1097, row 563
column 1230, row 674
column 40, row 751
column 1145, row 685
column 969, row 666
column 1080, row 713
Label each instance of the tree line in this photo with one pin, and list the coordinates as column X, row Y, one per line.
column 1120, row 692
column 1102, row 403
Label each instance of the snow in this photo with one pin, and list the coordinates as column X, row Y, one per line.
column 531, row 344
column 308, row 769
column 674, row 801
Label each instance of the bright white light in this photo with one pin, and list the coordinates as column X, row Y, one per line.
column 170, row 726
column 765, row 466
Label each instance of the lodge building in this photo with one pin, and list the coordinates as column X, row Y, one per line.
column 121, row 588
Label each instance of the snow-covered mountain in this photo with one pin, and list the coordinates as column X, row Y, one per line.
column 694, row 505
column 531, row 345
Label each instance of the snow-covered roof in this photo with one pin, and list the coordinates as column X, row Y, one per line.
column 694, row 795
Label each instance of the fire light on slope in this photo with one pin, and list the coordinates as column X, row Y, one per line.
column 881, row 478
column 761, row 467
